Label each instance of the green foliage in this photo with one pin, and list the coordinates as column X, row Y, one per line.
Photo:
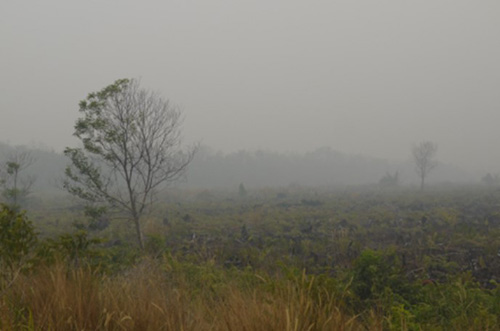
column 17, row 238
column 13, row 168
column 155, row 245
column 401, row 318
column 109, row 154
column 456, row 304
column 398, row 260
column 377, row 279
column 85, row 179
column 74, row 247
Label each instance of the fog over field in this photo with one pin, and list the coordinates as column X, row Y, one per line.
column 360, row 77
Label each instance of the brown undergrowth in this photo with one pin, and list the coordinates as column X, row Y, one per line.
column 152, row 297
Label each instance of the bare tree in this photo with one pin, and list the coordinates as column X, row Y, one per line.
column 423, row 156
column 131, row 149
column 16, row 186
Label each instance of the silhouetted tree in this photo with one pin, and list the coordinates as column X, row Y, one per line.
column 423, row 156
column 131, row 148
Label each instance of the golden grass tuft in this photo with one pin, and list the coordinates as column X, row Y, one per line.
column 265, row 312
column 151, row 298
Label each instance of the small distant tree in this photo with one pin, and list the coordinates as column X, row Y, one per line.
column 490, row 180
column 242, row 191
column 424, row 155
column 16, row 186
column 131, row 149
column 390, row 180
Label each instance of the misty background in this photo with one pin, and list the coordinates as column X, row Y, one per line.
column 322, row 168
column 279, row 91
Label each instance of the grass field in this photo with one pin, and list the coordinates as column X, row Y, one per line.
column 291, row 259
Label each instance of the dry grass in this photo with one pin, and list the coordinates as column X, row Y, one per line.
column 264, row 312
column 149, row 298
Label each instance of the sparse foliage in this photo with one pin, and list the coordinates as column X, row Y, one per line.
column 131, row 149
column 424, row 155
column 15, row 186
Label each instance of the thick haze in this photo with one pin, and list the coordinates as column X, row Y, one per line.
column 363, row 77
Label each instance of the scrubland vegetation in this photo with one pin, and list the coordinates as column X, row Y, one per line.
column 290, row 259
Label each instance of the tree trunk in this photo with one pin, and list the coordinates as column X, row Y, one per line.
column 138, row 230
column 422, row 183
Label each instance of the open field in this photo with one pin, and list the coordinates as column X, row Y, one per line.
column 288, row 259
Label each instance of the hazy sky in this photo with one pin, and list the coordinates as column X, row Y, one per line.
column 361, row 76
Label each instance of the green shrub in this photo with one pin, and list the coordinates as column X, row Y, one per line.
column 73, row 247
column 378, row 281
column 17, row 238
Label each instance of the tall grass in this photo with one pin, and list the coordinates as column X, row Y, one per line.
column 151, row 297
column 164, row 294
